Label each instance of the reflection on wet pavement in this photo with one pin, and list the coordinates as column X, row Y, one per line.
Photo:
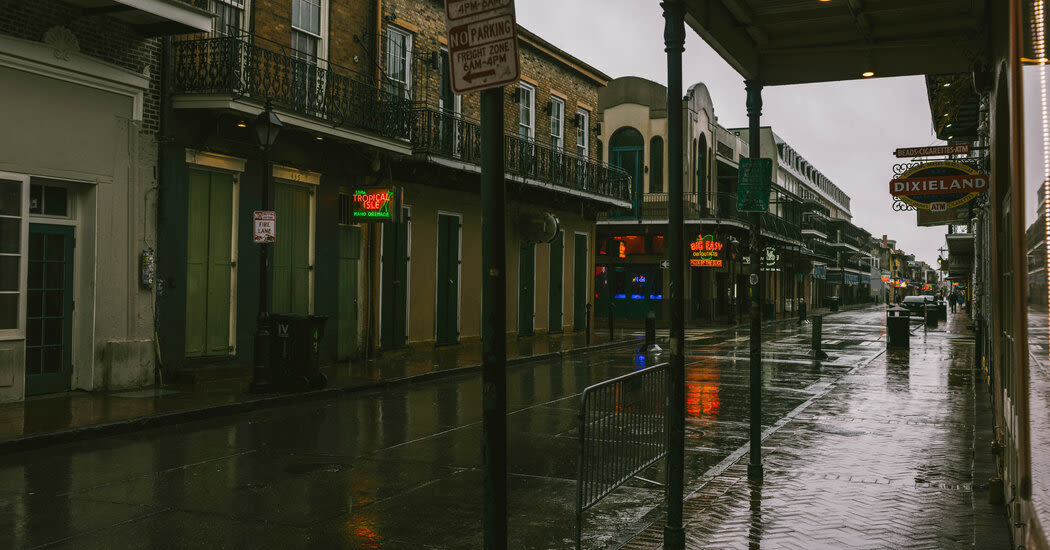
column 401, row 468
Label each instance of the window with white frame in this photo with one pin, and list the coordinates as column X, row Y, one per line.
column 557, row 123
column 229, row 16
column 583, row 123
column 12, row 241
column 526, row 111
column 399, row 62
column 306, row 29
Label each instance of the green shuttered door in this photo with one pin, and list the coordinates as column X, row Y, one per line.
column 557, row 273
column 209, row 266
column 526, row 288
column 447, row 317
column 395, row 283
column 291, row 252
column 349, row 255
column 579, row 283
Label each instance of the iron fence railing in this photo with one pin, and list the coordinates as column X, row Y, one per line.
column 450, row 135
column 266, row 71
column 622, row 431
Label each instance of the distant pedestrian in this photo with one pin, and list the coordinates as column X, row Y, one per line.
column 951, row 301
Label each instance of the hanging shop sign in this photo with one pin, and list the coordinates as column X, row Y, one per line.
column 706, row 252
column 770, row 259
column 936, row 150
column 955, row 216
column 756, row 178
column 538, row 227
column 939, row 186
column 820, row 272
column 375, row 204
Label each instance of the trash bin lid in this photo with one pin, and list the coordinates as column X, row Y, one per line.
column 897, row 311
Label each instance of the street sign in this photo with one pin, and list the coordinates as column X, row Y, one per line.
column 911, row 152
column 756, row 177
column 264, row 224
column 482, row 44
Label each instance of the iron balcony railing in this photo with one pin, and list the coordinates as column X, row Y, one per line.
column 452, row 136
column 719, row 206
column 254, row 68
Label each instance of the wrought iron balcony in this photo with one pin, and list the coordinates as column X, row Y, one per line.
column 451, row 136
column 250, row 67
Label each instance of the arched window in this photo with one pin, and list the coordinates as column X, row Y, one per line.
column 656, row 165
column 701, row 167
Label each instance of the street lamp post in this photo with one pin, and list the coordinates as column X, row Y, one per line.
column 267, row 126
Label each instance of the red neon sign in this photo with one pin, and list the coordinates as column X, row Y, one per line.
column 375, row 205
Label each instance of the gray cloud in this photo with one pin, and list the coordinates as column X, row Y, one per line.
column 848, row 130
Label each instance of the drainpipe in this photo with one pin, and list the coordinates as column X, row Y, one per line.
column 378, row 43
column 166, row 160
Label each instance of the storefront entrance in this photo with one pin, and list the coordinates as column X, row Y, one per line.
column 49, row 317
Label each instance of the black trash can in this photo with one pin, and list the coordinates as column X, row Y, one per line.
column 295, row 351
column 897, row 329
column 833, row 302
column 930, row 310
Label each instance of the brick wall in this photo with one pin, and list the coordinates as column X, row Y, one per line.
column 426, row 19
column 346, row 19
column 99, row 36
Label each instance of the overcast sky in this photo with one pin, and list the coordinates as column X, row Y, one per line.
column 848, row 130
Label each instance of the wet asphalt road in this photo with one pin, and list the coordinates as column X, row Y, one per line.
column 401, row 468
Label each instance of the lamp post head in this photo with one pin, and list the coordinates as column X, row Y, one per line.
column 267, row 126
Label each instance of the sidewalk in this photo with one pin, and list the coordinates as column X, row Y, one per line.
column 50, row 419
column 895, row 455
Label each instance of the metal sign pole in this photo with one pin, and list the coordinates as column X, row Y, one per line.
column 674, row 41
column 494, row 316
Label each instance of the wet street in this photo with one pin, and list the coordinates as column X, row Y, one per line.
column 401, row 468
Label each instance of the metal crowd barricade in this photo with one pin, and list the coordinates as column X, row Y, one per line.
column 623, row 430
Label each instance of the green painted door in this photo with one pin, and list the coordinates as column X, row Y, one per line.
column 291, row 252
column 49, row 314
column 447, row 316
column 526, row 288
column 394, row 280
column 555, row 280
column 579, row 282
column 209, row 264
column 349, row 255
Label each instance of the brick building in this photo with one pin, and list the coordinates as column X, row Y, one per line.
column 78, row 189
column 363, row 92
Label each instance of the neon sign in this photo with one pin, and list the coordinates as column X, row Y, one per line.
column 706, row 252
column 375, row 204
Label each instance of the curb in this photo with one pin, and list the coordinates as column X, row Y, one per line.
column 71, row 435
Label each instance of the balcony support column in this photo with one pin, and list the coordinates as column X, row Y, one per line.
column 754, row 466
column 674, row 41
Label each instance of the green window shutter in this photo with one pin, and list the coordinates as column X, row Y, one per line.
column 291, row 252
column 209, row 240
column 198, row 191
column 220, row 265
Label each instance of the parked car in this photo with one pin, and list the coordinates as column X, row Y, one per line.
column 916, row 304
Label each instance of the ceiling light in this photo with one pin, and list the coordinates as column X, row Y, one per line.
column 241, row 124
column 869, row 69
column 947, row 84
column 319, row 138
column 951, row 137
